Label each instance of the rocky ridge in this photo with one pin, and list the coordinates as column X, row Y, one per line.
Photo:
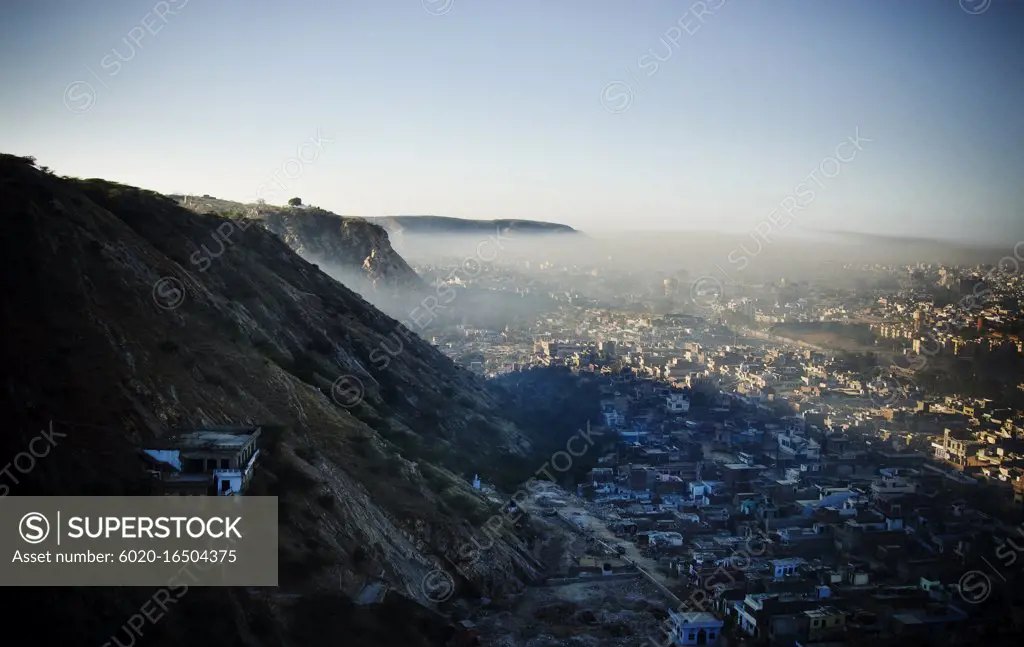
column 352, row 250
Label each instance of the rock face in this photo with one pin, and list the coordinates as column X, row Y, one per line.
column 115, row 333
column 325, row 238
column 351, row 250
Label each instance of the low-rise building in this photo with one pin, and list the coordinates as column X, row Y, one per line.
column 697, row 628
column 216, row 461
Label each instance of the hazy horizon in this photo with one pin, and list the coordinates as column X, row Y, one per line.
column 663, row 116
column 791, row 234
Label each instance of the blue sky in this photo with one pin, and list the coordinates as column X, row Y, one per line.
column 489, row 109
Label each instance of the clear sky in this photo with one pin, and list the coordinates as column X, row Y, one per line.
column 503, row 108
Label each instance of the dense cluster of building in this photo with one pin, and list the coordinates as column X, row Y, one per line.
column 789, row 529
column 789, row 494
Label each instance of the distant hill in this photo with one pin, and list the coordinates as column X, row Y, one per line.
column 443, row 225
column 866, row 238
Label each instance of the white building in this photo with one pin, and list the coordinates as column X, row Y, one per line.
column 892, row 482
column 216, row 461
column 677, row 403
column 613, row 419
column 694, row 628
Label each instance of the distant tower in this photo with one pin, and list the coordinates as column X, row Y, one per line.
column 476, row 481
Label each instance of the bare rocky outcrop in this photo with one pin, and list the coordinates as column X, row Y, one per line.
column 351, row 250
column 345, row 243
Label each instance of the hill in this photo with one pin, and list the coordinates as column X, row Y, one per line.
column 351, row 250
column 422, row 225
column 113, row 334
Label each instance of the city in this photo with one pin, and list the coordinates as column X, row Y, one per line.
column 440, row 323
column 877, row 496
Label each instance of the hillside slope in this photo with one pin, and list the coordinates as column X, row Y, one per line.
column 112, row 333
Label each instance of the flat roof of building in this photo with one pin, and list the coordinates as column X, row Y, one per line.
column 696, row 617
column 821, row 611
column 232, row 438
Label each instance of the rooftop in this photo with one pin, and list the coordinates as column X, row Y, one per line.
column 822, row 612
column 221, row 438
column 695, row 617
